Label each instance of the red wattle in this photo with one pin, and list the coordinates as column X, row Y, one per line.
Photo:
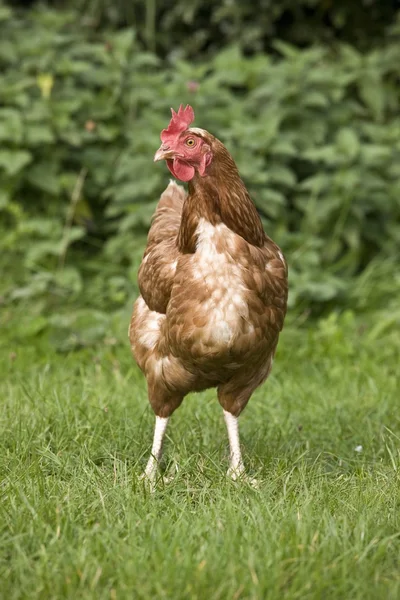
column 180, row 169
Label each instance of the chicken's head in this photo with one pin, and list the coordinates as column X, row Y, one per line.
column 185, row 150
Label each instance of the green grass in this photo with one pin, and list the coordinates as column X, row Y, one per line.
column 75, row 521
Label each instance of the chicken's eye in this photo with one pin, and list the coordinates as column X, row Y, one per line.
column 190, row 142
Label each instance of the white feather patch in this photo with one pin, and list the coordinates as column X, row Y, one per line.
column 149, row 331
column 226, row 305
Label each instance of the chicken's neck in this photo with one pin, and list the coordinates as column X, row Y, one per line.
column 220, row 197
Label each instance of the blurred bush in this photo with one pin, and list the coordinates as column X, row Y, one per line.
column 315, row 133
column 185, row 29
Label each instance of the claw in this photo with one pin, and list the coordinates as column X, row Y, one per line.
column 239, row 474
column 149, row 482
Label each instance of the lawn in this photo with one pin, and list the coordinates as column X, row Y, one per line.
column 322, row 437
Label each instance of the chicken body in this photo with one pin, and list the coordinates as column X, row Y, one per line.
column 213, row 299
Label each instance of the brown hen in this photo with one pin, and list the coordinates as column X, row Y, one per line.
column 213, row 287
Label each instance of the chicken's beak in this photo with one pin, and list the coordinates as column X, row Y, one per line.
column 163, row 153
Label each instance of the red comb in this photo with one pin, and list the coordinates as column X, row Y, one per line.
column 180, row 122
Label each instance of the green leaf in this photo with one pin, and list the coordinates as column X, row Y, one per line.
column 13, row 161
column 5, row 13
column 324, row 154
column 39, row 134
column 283, row 147
column 4, row 199
column 31, row 326
column 44, row 177
column 287, row 50
column 374, row 154
column 373, row 94
column 282, row 175
column 315, row 98
column 70, row 279
column 11, row 125
column 347, row 142
column 316, row 183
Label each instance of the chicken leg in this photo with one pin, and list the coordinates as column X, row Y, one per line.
column 236, row 466
column 150, row 471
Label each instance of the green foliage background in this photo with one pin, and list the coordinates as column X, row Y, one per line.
column 312, row 120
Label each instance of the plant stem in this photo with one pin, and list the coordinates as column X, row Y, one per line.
column 75, row 196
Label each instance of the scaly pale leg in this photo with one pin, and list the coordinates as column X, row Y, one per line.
column 150, row 471
column 236, row 466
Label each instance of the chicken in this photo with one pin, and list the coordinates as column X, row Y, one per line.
column 213, row 287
